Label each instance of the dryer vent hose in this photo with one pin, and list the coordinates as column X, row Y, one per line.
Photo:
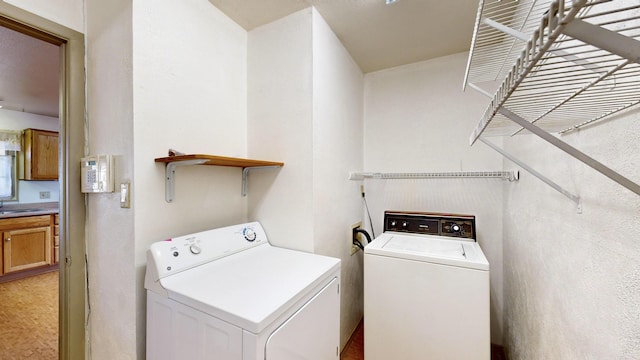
column 357, row 242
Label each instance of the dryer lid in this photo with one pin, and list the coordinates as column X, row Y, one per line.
column 252, row 288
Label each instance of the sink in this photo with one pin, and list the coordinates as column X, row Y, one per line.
column 5, row 212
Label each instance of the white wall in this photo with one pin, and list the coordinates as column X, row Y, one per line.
column 573, row 280
column 305, row 109
column 280, row 128
column 152, row 87
column 338, row 86
column 189, row 91
column 109, row 228
column 417, row 119
column 69, row 13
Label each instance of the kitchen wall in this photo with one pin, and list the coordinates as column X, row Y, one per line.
column 573, row 280
column 305, row 108
column 29, row 191
column 418, row 119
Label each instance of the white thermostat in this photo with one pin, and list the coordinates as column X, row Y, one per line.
column 97, row 174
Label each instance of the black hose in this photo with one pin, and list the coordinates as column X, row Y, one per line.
column 356, row 242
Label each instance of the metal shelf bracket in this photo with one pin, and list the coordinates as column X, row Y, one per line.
column 579, row 155
column 245, row 175
column 170, row 176
column 529, row 169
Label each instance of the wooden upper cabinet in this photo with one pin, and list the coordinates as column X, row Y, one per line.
column 40, row 154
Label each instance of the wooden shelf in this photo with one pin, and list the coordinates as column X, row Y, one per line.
column 219, row 161
column 199, row 159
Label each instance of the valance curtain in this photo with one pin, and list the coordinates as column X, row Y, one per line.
column 9, row 140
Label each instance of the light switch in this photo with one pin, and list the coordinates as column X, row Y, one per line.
column 124, row 195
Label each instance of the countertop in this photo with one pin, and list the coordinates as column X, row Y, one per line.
column 20, row 210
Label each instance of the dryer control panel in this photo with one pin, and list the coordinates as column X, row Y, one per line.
column 440, row 224
column 184, row 252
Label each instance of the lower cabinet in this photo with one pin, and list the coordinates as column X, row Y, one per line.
column 27, row 242
column 56, row 238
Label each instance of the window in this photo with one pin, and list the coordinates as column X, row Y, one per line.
column 9, row 147
column 8, row 178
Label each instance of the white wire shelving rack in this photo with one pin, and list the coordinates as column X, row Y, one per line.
column 505, row 175
column 572, row 64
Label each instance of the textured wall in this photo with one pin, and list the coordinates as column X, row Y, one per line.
column 111, row 328
column 572, row 281
column 305, row 108
column 338, row 87
column 279, row 128
column 111, row 331
column 189, row 94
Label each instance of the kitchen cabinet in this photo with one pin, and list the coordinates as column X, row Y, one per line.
column 56, row 238
column 40, row 155
column 27, row 242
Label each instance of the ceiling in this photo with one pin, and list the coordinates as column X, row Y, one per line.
column 377, row 36
column 29, row 70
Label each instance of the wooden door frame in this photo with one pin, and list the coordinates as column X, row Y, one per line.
column 72, row 139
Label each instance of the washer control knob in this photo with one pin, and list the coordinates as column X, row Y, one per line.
column 405, row 224
column 249, row 234
column 195, row 249
column 456, row 228
column 394, row 223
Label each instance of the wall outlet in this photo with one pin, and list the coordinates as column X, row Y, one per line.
column 355, row 248
column 45, row 194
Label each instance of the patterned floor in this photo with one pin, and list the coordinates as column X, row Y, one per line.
column 29, row 318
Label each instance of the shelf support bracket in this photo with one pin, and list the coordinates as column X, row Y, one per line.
column 505, row 29
column 579, row 155
column 621, row 45
column 170, row 176
column 245, row 175
column 523, row 37
column 546, row 180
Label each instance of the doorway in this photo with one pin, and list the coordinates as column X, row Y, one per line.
column 29, row 277
column 72, row 275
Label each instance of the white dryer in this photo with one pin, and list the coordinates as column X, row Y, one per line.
column 426, row 290
column 228, row 294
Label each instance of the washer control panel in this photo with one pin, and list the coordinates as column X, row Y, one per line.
column 452, row 225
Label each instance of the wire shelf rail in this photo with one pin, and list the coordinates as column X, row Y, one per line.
column 580, row 64
column 506, row 175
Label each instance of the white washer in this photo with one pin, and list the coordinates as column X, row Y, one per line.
column 228, row 294
column 426, row 290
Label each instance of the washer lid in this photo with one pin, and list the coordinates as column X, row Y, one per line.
column 252, row 288
column 429, row 248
